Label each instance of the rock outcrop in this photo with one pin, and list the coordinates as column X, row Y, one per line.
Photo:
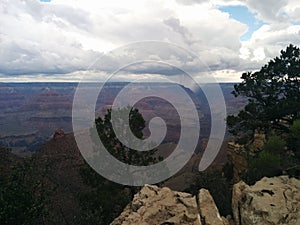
column 208, row 210
column 271, row 201
column 258, row 142
column 237, row 155
column 58, row 134
column 158, row 206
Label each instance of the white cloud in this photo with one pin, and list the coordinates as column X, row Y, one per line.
column 34, row 40
column 268, row 10
column 244, row 53
column 259, row 54
column 65, row 36
column 267, row 42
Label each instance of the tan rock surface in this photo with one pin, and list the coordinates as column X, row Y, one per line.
column 271, row 201
column 158, row 206
column 237, row 156
column 209, row 212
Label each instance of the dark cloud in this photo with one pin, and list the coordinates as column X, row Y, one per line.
column 153, row 68
column 174, row 23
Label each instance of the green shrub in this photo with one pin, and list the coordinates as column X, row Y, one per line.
column 274, row 144
column 294, row 139
column 295, row 129
column 265, row 164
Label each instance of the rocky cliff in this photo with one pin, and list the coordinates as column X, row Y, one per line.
column 271, row 201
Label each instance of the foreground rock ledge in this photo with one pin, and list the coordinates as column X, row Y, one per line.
column 158, row 206
column 271, row 201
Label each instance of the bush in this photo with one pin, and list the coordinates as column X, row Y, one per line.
column 295, row 129
column 294, row 139
column 265, row 164
column 275, row 145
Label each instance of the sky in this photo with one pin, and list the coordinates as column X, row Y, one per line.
column 60, row 40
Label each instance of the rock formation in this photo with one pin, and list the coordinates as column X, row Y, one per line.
column 58, row 134
column 154, row 205
column 270, row 201
column 259, row 140
column 208, row 210
column 236, row 154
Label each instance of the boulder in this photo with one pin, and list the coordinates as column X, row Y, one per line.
column 209, row 212
column 162, row 206
column 271, row 201
column 154, row 205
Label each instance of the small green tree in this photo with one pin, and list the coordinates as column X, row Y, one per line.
column 264, row 164
column 295, row 129
column 294, row 140
column 106, row 199
column 275, row 144
column 118, row 149
column 293, row 166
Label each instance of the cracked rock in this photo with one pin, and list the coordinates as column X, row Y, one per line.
column 158, row 206
column 271, row 201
